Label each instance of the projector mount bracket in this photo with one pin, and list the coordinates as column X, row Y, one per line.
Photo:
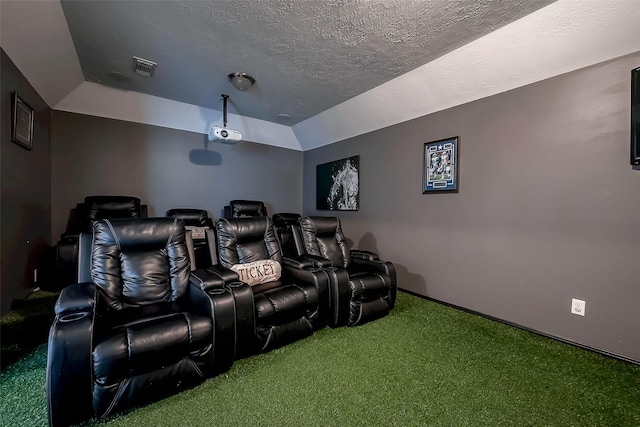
column 224, row 109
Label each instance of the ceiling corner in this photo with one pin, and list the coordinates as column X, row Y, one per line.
column 35, row 35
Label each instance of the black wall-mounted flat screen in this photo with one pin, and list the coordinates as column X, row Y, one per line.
column 635, row 116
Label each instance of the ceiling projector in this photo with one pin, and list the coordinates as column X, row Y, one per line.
column 224, row 135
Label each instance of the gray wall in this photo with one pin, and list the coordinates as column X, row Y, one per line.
column 547, row 211
column 25, row 206
column 166, row 168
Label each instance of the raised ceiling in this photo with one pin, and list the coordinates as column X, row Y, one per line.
column 306, row 55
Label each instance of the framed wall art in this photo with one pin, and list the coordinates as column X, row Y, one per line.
column 22, row 123
column 635, row 116
column 338, row 185
column 440, row 171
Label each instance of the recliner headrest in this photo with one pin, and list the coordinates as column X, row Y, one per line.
column 140, row 234
column 281, row 220
column 100, row 207
column 323, row 225
column 247, row 208
column 196, row 217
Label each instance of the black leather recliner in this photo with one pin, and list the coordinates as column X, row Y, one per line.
column 363, row 287
column 137, row 328
column 244, row 209
column 81, row 218
column 284, row 224
column 278, row 311
column 201, row 227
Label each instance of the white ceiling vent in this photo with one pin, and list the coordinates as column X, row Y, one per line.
column 144, row 67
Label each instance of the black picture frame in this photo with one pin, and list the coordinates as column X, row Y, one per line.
column 440, row 172
column 338, row 185
column 22, row 123
column 635, row 116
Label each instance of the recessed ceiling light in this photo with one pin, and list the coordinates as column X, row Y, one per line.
column 284, row 116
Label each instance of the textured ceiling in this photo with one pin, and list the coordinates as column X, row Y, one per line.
column 306, row 55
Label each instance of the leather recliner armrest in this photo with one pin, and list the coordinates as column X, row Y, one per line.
column 214, row 276
column 216, row 280
column 302, row 262
column 80, row 297
column 374, row 265
column 69, row 365
column 365, row 255
column 313, row 275
column 317, row 261
column 219, row 304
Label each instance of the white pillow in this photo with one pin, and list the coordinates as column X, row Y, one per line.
column 258, row 272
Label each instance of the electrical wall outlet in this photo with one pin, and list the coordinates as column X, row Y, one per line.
column 578, row 306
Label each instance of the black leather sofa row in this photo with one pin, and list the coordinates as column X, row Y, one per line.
column 60, row 265
column 142, row 323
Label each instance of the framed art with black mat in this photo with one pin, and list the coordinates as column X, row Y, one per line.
column 338, row 185
column 22, row 123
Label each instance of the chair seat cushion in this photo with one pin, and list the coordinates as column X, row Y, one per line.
column 277, row 303
column 156, row 338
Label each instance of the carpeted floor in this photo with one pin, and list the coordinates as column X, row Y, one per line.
column 423, row 365
column 26, row 326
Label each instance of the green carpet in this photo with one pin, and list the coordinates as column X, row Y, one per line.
column 26, row 326
column 423, row 365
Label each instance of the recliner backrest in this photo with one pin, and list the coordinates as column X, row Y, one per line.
column 244, row 240
column 286, row 227
column 322, row 236
column 95, row 208
column 201, row 226
column 140, row 262
column 245, row 208
column 101, row 207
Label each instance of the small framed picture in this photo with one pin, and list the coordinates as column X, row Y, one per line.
column 440, row 171
column 22, row 123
